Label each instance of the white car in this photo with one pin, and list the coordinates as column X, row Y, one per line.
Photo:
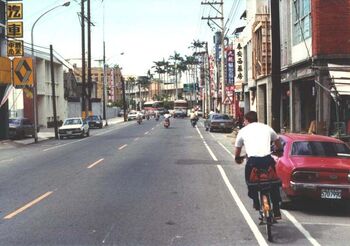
column 132, row 115
column 74, row 127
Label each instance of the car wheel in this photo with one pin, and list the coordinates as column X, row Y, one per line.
column 100, row 126
column 210, row 129
column 83, row 134
column 88, row 133
column 61, row 137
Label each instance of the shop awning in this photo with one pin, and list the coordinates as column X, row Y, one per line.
column 340, row 79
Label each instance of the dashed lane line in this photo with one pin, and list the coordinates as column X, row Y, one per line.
column 95, row 163
column 122, row 147
column 28, row 205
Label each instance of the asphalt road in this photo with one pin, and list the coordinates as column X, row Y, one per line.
column 132, row 184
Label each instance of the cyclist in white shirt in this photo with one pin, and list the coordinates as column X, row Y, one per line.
column 257, row 138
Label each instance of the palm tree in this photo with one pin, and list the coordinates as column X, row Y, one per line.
column 130, row 83
column 176, row 58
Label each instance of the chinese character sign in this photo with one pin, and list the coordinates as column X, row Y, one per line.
column 239, row 60
column 230, row 67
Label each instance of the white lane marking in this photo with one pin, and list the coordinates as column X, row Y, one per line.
column 259, row 237
column 62, row 145
column 95, row 163
column 288, row 215
column 206, row 145
column 152, row 129
column 6, row 160
column 301, row 228
column 146, row 133
column 223, row 146
column 122, row 147
column 136, row 139
column 28, row 205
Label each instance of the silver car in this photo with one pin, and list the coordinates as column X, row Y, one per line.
column 219, row 122
column 74, row 127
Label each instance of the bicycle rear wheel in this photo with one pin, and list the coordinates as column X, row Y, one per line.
column 269, row 228
column 266, row 205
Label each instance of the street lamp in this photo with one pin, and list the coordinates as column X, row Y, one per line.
column 34, row 85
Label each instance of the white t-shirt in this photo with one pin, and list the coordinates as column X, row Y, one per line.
column 256, row 137
column 167, row 116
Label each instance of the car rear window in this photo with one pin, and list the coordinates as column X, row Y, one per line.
column 72, row 122
column 14, row 121
column 95, row 117
column 221, row 117
column 315, row 148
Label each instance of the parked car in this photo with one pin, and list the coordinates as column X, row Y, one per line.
column 314, row 166
column 95, row 121
column 219, row 122
column 74, row 127
column 21, row 127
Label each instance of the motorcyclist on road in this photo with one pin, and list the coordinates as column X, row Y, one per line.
column 139, row 117
column 257, row 137
column 193, row 116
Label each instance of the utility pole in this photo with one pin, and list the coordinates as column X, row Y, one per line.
column 124, row 99
column 104, row 82
column 53, row 87
column 83, row 72
column 89, row 82
column 223, row 31
column 4, row 112
column 276, row 66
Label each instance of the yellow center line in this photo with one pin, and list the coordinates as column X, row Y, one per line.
column 32, row 203
column 122, row 147
column 95, row 163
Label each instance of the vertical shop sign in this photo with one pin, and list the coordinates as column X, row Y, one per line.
column 230, row 67
column 239, row 62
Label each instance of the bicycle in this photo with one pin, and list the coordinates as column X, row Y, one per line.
column 264, row 184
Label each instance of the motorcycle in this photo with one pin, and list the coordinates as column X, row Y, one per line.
column 166, row 123
column 157, row 117
column 194, row 122
column 139, row 120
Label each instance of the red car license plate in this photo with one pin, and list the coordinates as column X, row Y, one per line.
column 330, row 194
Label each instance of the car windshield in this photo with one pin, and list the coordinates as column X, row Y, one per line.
column 14, row 121
column 220, row 117
column 326, row 149
column 72, row 122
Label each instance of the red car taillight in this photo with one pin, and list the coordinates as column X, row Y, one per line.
column 305, row 176
column 349, row 177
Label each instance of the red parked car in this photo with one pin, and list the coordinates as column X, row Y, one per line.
column 314, row 166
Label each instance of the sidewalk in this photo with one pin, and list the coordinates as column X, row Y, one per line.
column 45, row 134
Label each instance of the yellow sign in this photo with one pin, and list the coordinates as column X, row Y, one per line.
column 22, row 72
column 15, row 29
column 15, row 48
column 5, row 70
column 14, row 11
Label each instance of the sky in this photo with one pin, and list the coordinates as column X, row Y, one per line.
column 136, row 32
